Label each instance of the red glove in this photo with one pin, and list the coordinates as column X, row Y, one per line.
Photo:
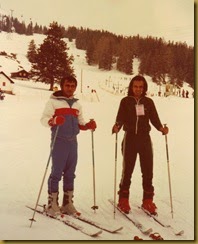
column 116, row 128
column 91, row 125
column 57, row 120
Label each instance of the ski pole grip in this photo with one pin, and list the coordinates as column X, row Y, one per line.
column 165, row 126
column 90, row 120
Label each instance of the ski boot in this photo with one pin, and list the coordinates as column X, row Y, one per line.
column 67, row 205
column 53, row 208
column 149, row 205
column 123, row 203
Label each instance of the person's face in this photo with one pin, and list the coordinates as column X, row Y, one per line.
column 68, row 88
column 137, row 88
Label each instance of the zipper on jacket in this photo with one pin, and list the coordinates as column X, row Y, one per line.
column 136, row 125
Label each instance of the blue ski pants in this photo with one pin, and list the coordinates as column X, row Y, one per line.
column 64, row 160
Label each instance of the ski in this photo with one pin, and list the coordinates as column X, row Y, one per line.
column 131, row 218
column 92, row 232
column 99, row 225
column 161, row 222
column 105, row 227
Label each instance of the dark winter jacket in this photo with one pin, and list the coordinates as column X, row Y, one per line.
column 127, row 117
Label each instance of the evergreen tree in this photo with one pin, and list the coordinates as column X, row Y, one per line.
column 90, row 53
column 103, row 52
column 52, row 61
column 29, row 30
column 125, row 57
column 190, row 73
column 36, row 28
column 32, row 52
column 71, row 33
column 81, row 39
column 6, row 24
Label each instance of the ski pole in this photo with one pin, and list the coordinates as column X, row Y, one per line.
column 169, row 177
column 94, row 207
column 115, row 173
column 51, row 149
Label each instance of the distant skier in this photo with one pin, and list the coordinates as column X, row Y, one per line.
column 134, row 114
column 183, row 93
column 187, row 93
column 64, row 110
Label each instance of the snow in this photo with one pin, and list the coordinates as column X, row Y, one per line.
column 24, row 150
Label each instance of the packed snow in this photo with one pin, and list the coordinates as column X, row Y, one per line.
column 25, row 147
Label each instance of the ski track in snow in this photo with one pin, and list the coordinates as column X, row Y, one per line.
column 24, row 150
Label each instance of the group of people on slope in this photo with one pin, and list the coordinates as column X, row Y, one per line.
column 63, row 114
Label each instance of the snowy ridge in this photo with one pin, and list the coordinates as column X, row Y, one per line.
column 24, row 150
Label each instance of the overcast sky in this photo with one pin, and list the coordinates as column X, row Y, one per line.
column 171, row 19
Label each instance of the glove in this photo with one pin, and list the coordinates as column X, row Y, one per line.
column 91, row 125
column 116, row 128
column 57, row 120
column 164, row 130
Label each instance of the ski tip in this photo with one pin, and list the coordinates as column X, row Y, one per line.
column 117, row 230
column 121, row 228
column 96, row 234
column 181, row 232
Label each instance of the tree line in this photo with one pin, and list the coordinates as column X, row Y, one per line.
column 163, row 61
column 12, row 24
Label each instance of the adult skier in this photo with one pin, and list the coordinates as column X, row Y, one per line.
column 134, row 114
column 64, row 111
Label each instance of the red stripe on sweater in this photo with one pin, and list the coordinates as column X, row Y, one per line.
column 66, row 111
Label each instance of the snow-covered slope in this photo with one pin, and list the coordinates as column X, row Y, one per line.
column 24, row 150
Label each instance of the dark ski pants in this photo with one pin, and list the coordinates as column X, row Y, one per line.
column 131, row 146
column 64, row 160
